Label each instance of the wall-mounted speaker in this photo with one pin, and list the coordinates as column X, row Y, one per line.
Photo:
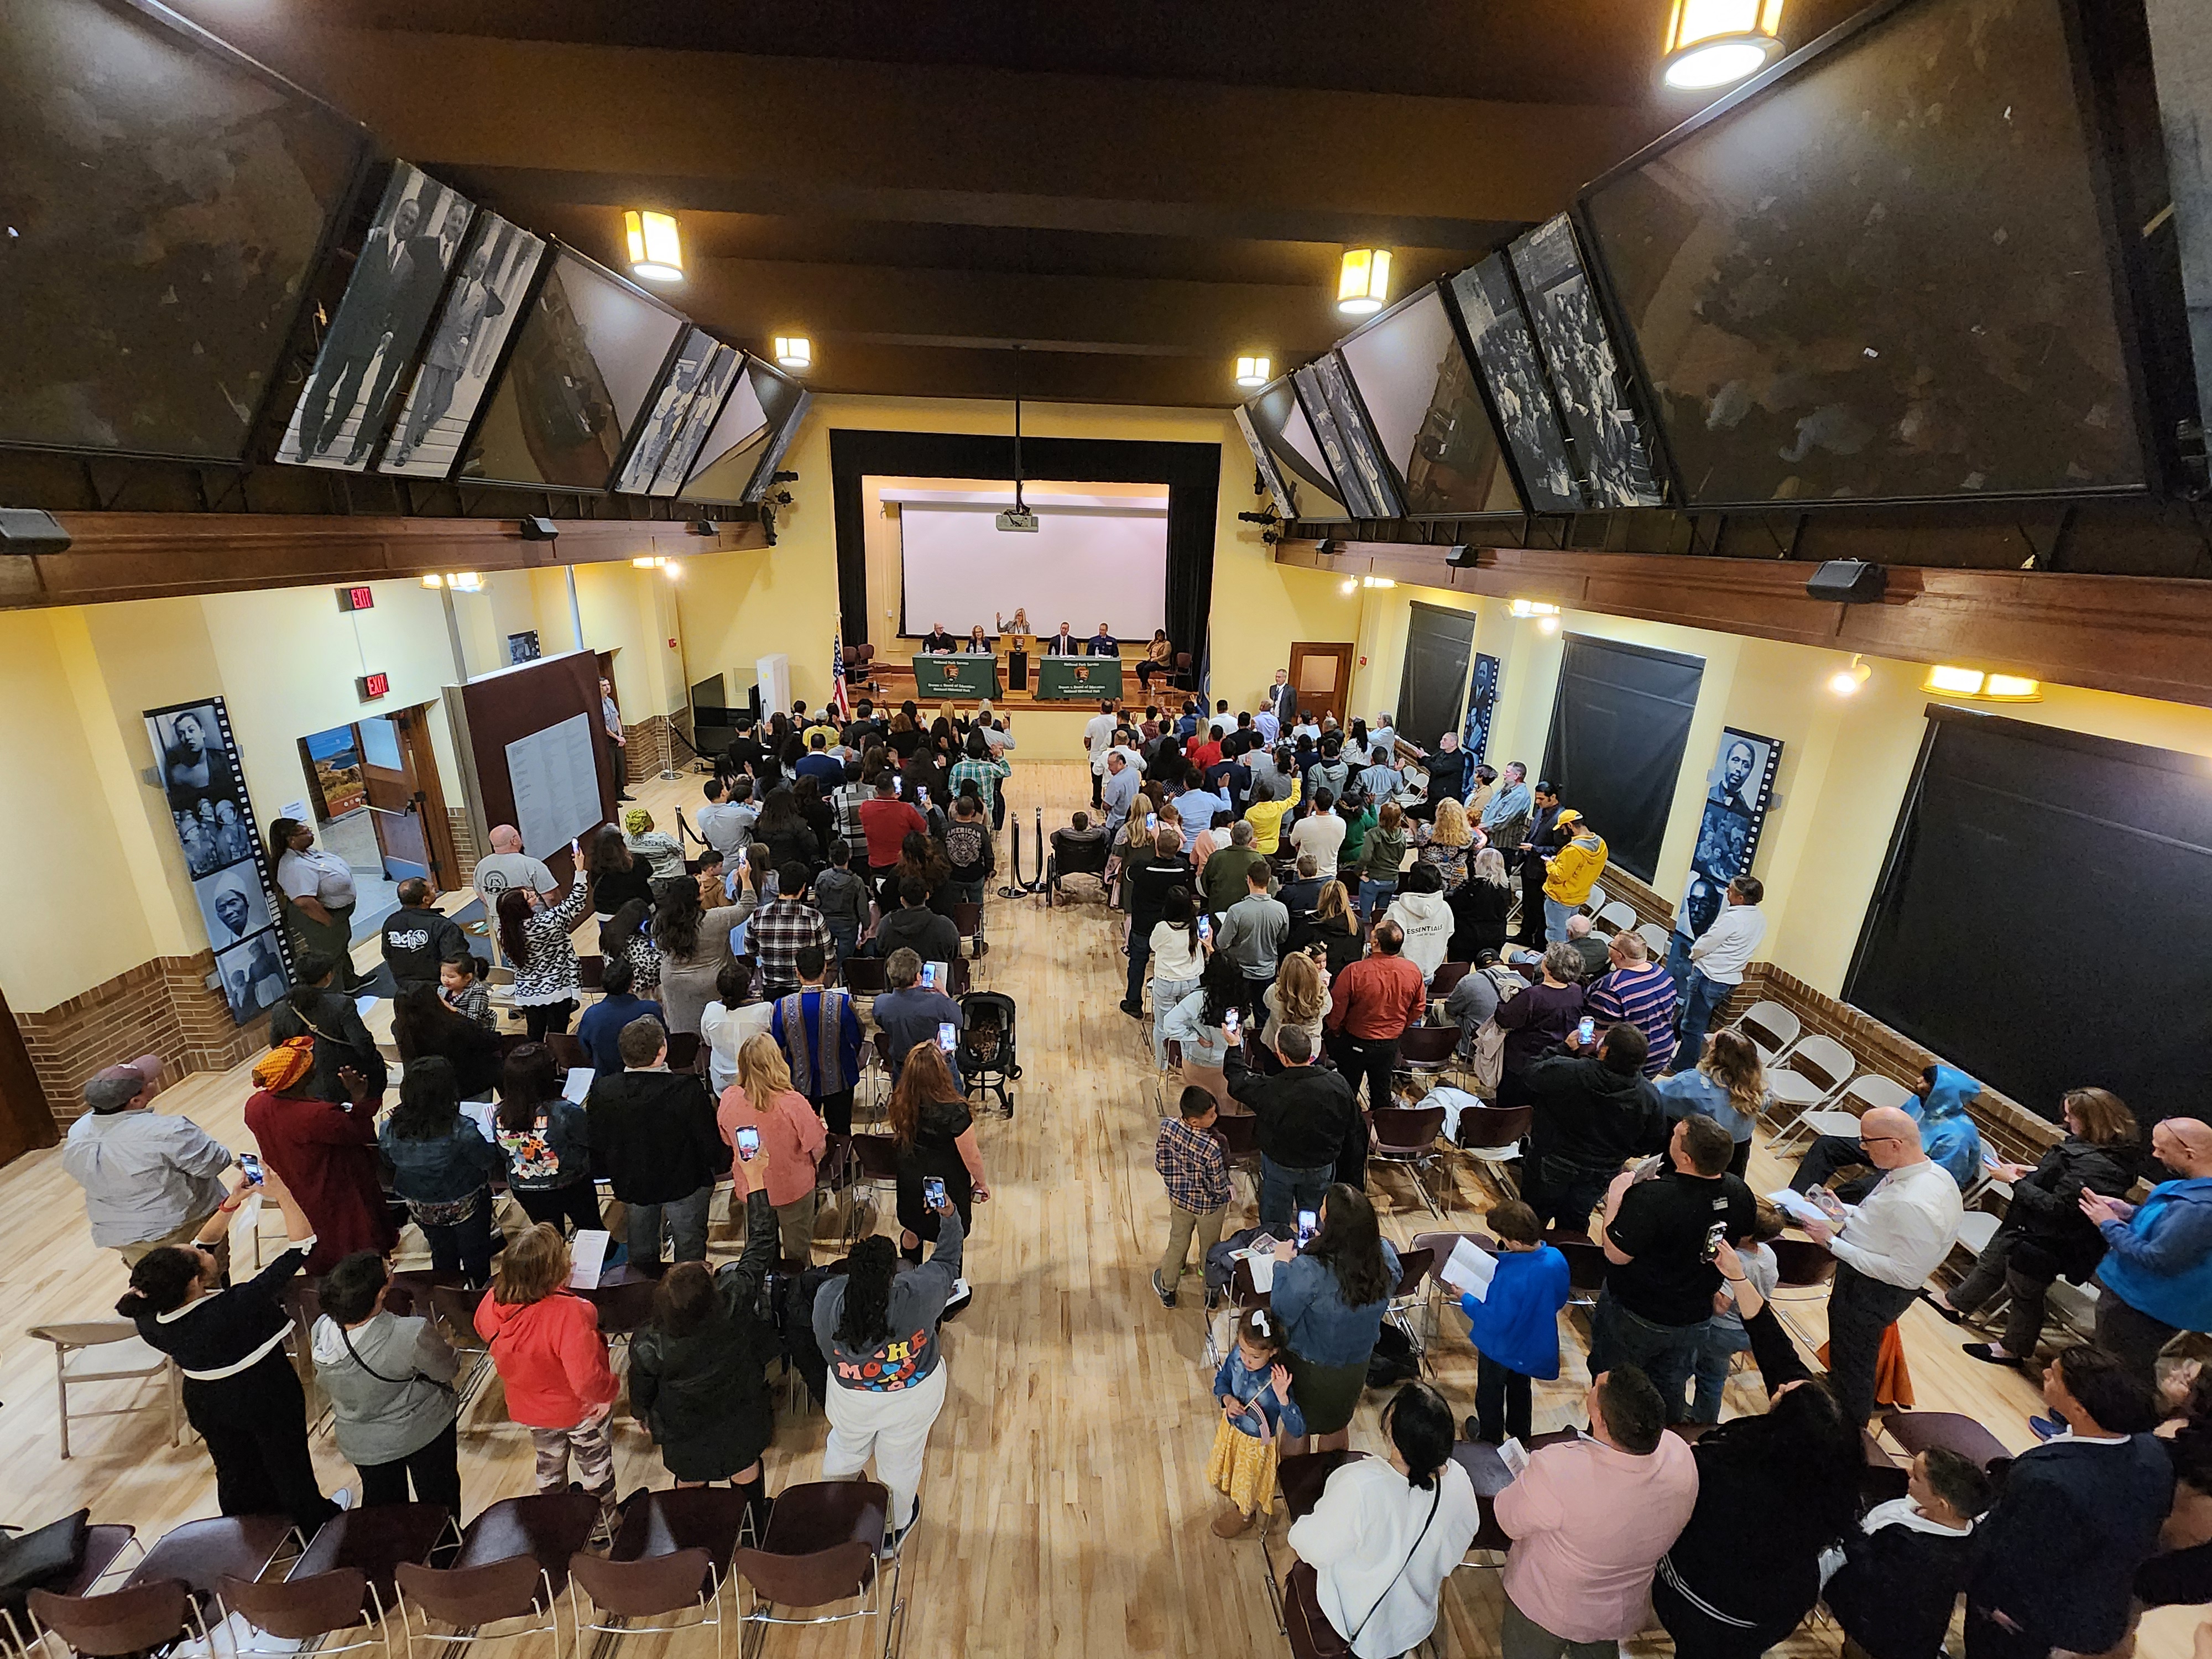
column 1848, row 581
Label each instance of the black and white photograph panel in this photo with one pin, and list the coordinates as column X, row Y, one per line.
column 658, row 427
column 1507, row 353
column 251, row 974
column 699, row 416
column 194, row 757
column 481, row 310
column 1723, row 846
column 232, row 903
column 1738, row 776
column 419, row 228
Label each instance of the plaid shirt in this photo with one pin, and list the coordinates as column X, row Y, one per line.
column 1193, row 1166
column 779, row 933
column 846, row 798
column 986, row 774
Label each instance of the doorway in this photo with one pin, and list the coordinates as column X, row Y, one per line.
column 379, row 805
column 1323, row 674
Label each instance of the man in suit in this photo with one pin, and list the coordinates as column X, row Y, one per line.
column 473, row 304
column 1543, row 838
column 1282, row 700
column 1102, row 643
column 1063, row 644
column 2058, row 1553
column 407, row 313
column 938, row 642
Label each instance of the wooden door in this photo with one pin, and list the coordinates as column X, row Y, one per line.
column 1323, row 674
column 26, row 1119
column 406, row 803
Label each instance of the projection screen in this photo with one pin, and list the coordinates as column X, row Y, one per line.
column 1092, row 558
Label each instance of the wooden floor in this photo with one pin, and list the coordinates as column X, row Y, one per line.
column 1066, row 1510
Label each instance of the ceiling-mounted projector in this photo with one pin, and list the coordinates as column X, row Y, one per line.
column 1018, row 521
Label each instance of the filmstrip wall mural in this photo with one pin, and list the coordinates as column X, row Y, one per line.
column 1481, row 709
column 205, row 790
column 1739, row 789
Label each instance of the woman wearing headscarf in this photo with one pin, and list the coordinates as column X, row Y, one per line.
column 323, row 1154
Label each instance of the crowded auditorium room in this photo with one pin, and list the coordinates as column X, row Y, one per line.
column 1106, row 829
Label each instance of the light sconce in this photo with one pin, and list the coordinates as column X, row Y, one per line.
column 1376, row 582
column 1254, row 372
column 432, row 579
column 461, row 581
column 1351, row 585
column 1973, row 682
column 656, row 251
column 1711, row 43
column 794, row 352
column 1846, row 681
column 1363, row 281
column 1522, row 610
column 669, row 567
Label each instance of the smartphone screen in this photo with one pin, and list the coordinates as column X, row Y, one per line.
column 1206, row 927
column 929, row 976
column 251, row 1165
column 1587, row 1030
column 921, row 794
column 748, row 1143
column 948, row 1036
column 1229, row 1022
column 1308, row 1225
column 932, row 1190
column 898, row 783
column 1151, row 821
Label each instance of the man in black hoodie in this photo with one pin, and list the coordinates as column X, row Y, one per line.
column 1595, row 1111
column 1306, row 1118
column 655, row 1137
column 417, row 937
column 1150, row 882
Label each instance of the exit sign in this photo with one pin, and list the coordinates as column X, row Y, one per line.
column 356, row 598
column 372, row 686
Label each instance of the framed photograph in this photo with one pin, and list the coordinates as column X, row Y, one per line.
column 699, row 416
column 419, row 228
column 193, row 748
column 1739, row 789
column 1491, row 308
column 481, row 310
column 233, row 905
column 664, row 417
column 254, row 976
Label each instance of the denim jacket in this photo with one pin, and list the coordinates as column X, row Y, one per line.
column 1317, row 1324
column 442, row 1170
column 1269, row 1415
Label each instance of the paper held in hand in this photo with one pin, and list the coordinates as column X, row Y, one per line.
column 578, row 1083
column 587, row 1255
column 1514, row 1455
column 1800, row 1208
column 1470, row 1268
column 1260, row 1256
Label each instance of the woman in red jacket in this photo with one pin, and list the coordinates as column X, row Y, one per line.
column 324, row 1154
column 546, row 1344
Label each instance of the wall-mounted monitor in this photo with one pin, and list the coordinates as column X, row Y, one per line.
column 672, row 401
column 419, row 230
column 167, row 204
column 1309, row 486
column 1490, row 309
column 1362, row 447
column 488, row 297
column 757, row 422
column 1882, row 275
column 585, row 360
column 1614, row 456
column 1426, row 410
column 699, row 415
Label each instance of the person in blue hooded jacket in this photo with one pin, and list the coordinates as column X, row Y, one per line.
column 2157, row 1271
column 1515, row 1324
column 1947, row 1135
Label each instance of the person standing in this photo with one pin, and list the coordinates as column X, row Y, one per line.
column 1661, row 1237
column 1594, row 1109
column 1149, row 881
column 1372, row 1003
column 150, row 1179
column 783, row 927
column 1308, row 1125
column 317, row 888
column 442, row 1167
column 547, row 1142
column 1330, row 1297
column 1252, row 934
column 1504, row 820
column 1019, row 642
column 240, row 1389
column 2157, row 1272
column 324, row 1155
column 1515, row 1324
column 610, row 717
column 885, row 823
column 1728, row 1086
column 1570, row 873
column 1196, row 1172
column 1282, row 701
column 1638, row 991
column 534, row 937
column 820, row 1035
column 1589, row 1518
column 654, row 1139
column 789, row 1144
column 1098, row 743
column 1536, row 1018
column 418, row 936
column 389, row 1378
column 545, row 1344
column 1899, row 1234
column 1715, row 963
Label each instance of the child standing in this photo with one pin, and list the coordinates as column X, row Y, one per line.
column 1903, row 1569
column 1724, row 1334
column 1515, row 1327
column 461, row 989
column 546, row 1344
column 1254, row 1389
column 1196, row 1171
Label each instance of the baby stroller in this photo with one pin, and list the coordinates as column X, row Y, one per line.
column 986, row 1055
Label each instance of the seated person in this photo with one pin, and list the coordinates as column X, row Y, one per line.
column 1593, row 947
column 1947, row 1135
column 1080, row 850
column 937, row 642
column 1900, row 1574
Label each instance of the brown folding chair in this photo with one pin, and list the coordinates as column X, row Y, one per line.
column 864, row 976
column 1917, row 1432
column 1586, row 1266
column 568, row 1050
column 103, row 1546
column 967, row 922
column 309, row 1608
column 1300, row 1479
column 645, row 1587
column 876, row 1158
column 1407, row 1135
column 683, row 1048
column 149, row 1617
column 198, row 1553
column 513, row 1564
column 374, row 1541
column 1239, row 1135
column 1427, row 1051
column 1490, row 1135
column 821, row 1549
column 1440, row 1246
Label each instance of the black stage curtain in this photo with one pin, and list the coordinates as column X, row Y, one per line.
column 1192, row 473
column 1432, row 690
column 2016, row 843
column 1619, row 727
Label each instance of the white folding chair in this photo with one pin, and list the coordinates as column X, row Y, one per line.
column 1817, row 1071
column 1616, row 917
column 1772, row 1028
column 1660, row 939
column 1596, row 902
column 107, row 1351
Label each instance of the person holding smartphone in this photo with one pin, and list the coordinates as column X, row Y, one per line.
column 149, row 1178
column 771, row 1127
column 934, row 1137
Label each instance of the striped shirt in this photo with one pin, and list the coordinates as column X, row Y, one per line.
column 1642, row 997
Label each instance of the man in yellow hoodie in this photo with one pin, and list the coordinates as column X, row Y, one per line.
column 1570, row 874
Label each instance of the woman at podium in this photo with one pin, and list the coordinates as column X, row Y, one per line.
column 1019, row 642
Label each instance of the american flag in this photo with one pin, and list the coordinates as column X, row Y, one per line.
column 837, row 687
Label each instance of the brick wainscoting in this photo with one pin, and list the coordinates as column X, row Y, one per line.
column 466, row 850
column 162, row 1007
column 652, row 747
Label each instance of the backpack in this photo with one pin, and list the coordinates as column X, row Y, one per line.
column 1395, row 1360
column 1489, row 1065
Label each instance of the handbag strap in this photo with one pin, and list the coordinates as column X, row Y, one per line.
column 1416, row 1549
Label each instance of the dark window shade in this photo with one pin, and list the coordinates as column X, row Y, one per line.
column 2015, row 837
column 1433, row 688
column 1619, row 727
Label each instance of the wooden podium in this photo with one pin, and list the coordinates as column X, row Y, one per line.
column 1078, row 679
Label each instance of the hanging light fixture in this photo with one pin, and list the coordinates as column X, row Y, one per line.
column 656, row 251
column 1846, row 681
column 1711, row 43
column 1363, row 281
column 794, row 352
column 1254, row 372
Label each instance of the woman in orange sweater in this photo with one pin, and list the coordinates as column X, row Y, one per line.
column 546, row 1344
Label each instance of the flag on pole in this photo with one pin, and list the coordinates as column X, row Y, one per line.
column 838, row 689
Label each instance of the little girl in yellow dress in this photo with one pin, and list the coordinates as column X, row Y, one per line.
column 1255, row 1392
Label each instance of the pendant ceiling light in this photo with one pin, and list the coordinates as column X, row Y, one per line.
column 1711, row 43
column 1253, row 371
column 1363, row 281
column 656, row 251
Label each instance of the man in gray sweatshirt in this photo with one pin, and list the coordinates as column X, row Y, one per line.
column 1253, row 931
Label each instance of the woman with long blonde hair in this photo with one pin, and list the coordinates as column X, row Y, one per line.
column 1298, row 997
column 1728, row 1086
column 1445, row 842
column 786, row 1135
column 935, row 1139
column 1332, row 928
